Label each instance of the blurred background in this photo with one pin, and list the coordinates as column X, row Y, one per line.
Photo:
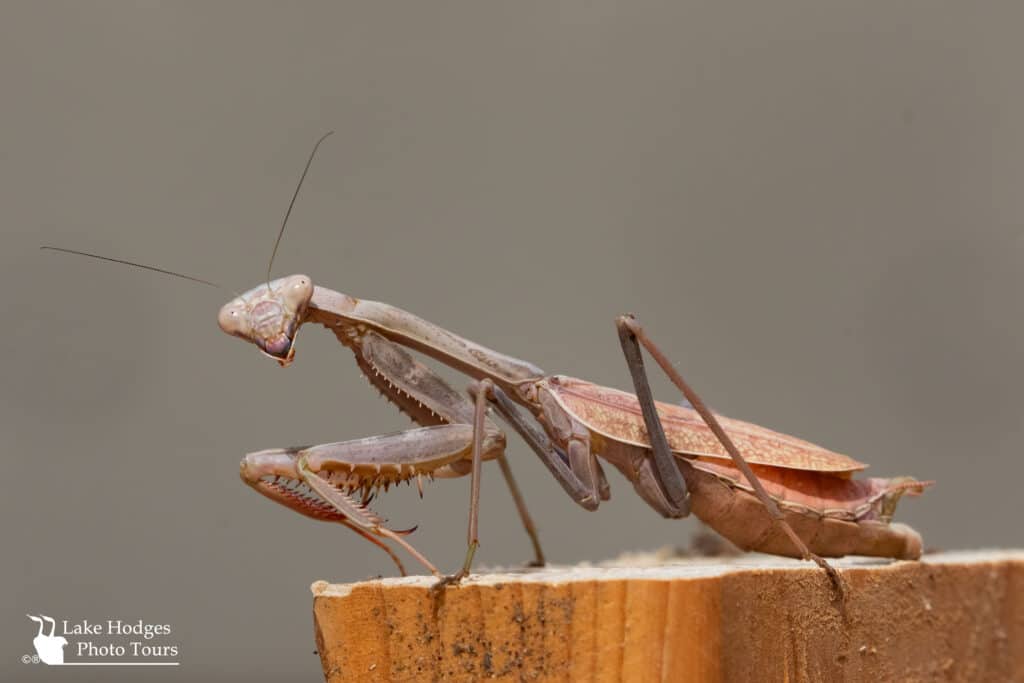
column 815, row 208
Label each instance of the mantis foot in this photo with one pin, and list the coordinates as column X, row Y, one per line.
column 456, row 578
column 838, row 590
column 449, row 580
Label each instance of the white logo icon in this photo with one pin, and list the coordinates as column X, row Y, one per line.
column 49, row 648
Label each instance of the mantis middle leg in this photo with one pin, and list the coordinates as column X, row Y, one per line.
column 425, row 396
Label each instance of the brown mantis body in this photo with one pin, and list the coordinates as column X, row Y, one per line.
column 780, row 495
column 793, row 498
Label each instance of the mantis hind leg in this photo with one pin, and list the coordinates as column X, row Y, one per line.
column 632, row 336
column 666, row 473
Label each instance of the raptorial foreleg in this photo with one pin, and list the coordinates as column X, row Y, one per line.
column 428, row 399
column 335, row 481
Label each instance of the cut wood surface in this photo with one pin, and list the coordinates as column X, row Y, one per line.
column 951, row 617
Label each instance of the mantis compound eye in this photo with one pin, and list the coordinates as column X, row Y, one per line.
column 232, row 319
column 296, row 292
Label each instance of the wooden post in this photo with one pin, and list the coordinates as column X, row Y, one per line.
column 951, row 617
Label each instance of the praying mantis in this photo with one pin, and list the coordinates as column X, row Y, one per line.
column 760, row 489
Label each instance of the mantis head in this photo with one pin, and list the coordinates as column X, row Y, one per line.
column 269, row 316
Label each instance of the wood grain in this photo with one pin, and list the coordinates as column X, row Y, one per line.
column 951, row 617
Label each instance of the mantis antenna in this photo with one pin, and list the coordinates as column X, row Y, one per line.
column 292, row 202
column 131, row 263
column 197, row 279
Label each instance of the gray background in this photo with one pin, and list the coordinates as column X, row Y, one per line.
column 817, row 208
